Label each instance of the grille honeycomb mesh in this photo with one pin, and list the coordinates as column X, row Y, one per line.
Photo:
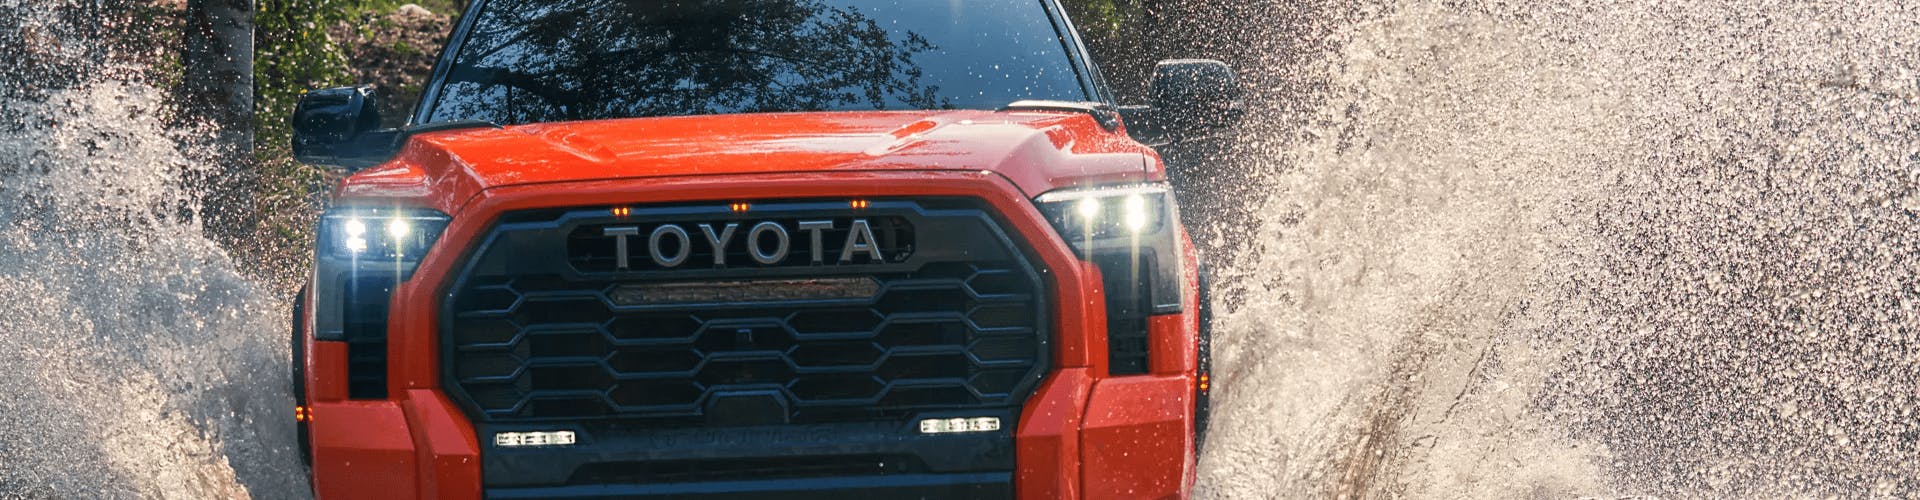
column 952, row 335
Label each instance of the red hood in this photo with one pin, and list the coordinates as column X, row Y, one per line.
column 1037, row 151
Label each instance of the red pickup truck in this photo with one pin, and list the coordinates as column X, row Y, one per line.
column 757, row 249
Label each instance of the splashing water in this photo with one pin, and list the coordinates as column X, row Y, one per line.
column 134, row 361
column 1619, row 247
column 1552, row 249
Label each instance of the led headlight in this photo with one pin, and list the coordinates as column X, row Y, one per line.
column 362, row 255
column 1131, row 234
column 363, row 233
column 1086, row 218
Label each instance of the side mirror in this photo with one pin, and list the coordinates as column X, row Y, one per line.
column 341, row 127
column 1190, row 98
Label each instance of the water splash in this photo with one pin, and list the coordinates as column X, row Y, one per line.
column 134, row 362
column 1540, row 250
column 1584, row 248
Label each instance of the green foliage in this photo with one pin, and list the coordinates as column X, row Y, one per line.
column 404, row 49
column 292, row 53
column 1101, row 18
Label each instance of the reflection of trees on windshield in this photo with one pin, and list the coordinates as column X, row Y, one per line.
column 530, row 61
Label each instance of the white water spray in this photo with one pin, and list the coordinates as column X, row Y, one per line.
column 1554, row 249
column 134, row 361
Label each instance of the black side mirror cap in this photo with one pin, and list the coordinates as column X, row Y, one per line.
column 1142, row 126
column 340, row 127
column 1190, row 98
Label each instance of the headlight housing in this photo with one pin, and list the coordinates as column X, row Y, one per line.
column 1131, row 233
column 397, row 234
column 361, row 255
column 1111, row 216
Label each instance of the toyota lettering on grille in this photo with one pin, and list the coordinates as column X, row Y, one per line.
column 768, row 243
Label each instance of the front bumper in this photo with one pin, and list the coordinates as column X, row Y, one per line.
column 922, row 486
column 1083, row 434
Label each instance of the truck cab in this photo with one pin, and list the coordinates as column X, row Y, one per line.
column 741, row 249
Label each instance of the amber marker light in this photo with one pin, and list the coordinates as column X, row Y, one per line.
column 858, row 204
column 300, row 414
column 1206, row 382
column 622, row 212
column 741, row 207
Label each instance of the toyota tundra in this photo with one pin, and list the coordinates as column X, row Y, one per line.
column 756, row 249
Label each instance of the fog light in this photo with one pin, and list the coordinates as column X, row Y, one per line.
column 528, row 439
column 958, row 425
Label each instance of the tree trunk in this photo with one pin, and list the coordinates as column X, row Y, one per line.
column 216, row 92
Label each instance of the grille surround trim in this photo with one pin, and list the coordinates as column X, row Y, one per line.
column 1036, row 297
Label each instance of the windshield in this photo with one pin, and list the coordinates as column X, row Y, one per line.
column 527, row 61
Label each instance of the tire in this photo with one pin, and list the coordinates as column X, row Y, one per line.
column 298, row 366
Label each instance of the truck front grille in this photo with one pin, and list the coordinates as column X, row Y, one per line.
column 956, row 323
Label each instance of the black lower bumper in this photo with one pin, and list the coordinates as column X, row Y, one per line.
column 925, row 486
column 889, row 459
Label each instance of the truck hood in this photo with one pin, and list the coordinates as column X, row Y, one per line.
column 1036, row 151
